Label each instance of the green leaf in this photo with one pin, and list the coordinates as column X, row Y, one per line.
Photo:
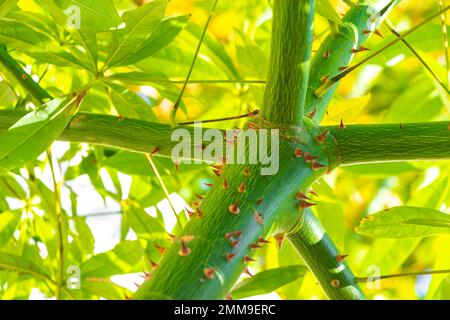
column 20, row 36
column 268, row 281
column 140, row 23
column 7, row 95
column 35, row 132
column 166, row 31
column 145, row 226
column 9, row 262
column 123, row 259
column 252, row 59
column 381, row 170
column 6, row 6
column 326, row 10
column 405, row 222
column 58, row 58
column 443, row 291
column 97, row 15
column 107, row 290
column 129, row 104
column 9, row 221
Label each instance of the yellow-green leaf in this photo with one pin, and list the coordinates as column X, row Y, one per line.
column 405, row 222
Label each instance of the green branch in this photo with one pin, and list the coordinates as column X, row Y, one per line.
column 324, row 260
column 25, row 80
column 335, row 53
column 392, row 142
column 287, row 80
column 355, row 143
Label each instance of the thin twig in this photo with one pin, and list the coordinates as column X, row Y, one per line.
column 250, row 114
column 59, row 232
column 391, row 28
column 398, row 275
column 327, row 85
column 445, row 40
column 163, row 186
column 178, row 102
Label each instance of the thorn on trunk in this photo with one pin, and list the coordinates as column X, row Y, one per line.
column 230, row 256
column 241, row 188
column 304, row 205
column 312, row 113
column 280, row 239
column 155, row 151
column 225, row 183
column 161, row 249
column 199, row 212
column 342, row 125
column 301, row 196
column 153, row 264
column 324, row 79
column 321, row 137
column 234, row 209
column 208, row 184
column 335, row 283
column 246, row 172
column 261, row 200
column 259, row 218
column 298, row 152
column 327, row 54
column 228, row 297
column 340, row 257
column 247, row 272
column 309, row 158
column 262, row 240
column 209, row 273
column 247, row 259
column 313, row 192
column 255, row 246
column 234, row 243
column 184, row 251
column 343, row 68
column 317, row 166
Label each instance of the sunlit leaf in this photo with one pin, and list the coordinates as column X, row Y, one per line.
column 32, row 134
column 140, row 23
column 405, row 222
column 326, row 10
column 145, row 226
column 9, row 221
column 268, row 281
column 124, row 258
column 21, row 265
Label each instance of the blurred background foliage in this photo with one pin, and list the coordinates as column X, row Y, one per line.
column 116, row 218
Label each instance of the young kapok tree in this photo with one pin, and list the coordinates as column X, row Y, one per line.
column 243, row 210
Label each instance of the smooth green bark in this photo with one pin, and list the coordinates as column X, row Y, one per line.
column 287, row 80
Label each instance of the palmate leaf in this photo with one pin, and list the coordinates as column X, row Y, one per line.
column 96, row 15
column 268, row 281
column 84, row 36
column 326, row 10
column 129, row 104
column 9, row 262
column 20, row 36
column 35, row 132
column 443, row 291
column 405, row 222
column 145, row 226
column 140, row 23
column 124, row 258
column 166, row 31
column 9, row 221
